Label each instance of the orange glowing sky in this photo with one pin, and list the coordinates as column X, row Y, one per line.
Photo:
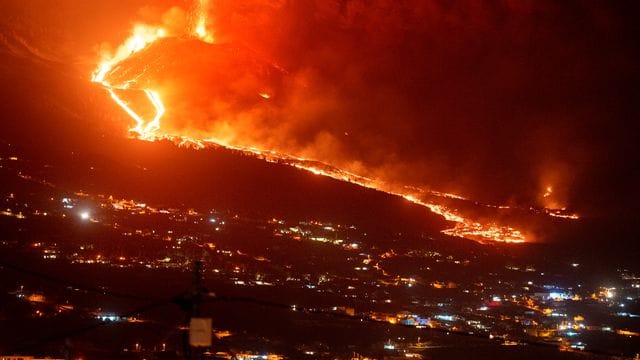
column 145, row 62
column 507, row 105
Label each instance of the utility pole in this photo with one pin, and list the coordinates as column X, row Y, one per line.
column 199, row 333
column 197, row 290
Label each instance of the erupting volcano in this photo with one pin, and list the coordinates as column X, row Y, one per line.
column 351, row 178
column 146, row 77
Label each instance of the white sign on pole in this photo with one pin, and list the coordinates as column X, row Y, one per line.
column 200, row 332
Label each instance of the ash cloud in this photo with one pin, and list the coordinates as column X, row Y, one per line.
column 494, row 100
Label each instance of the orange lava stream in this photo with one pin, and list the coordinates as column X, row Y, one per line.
column 560, row 214
column 150, row 130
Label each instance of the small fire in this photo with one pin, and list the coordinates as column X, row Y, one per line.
column 553, row 207
column 151, row 129
column 561, row 214
column 201, row 30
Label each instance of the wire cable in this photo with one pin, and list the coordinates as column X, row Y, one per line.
column 261, row 302
column 71, row 284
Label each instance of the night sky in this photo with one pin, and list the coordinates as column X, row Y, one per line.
column 493, row 100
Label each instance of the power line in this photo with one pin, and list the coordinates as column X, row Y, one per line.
column 185, row 300
column 210, row 298
column 323, row 312
column 71, row 284
column 85, row 329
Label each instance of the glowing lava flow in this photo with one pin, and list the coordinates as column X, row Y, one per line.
column 145, row 131
column 144, row 35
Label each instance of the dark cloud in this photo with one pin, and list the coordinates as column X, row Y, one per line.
column 495, row 100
